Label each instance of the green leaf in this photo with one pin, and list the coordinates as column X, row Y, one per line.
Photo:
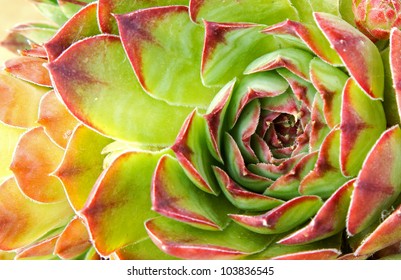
column 35, row 159
column 226, row 50
column 79, row 171
column 184, row 241
column 115, row 105
column 329, row 82
column 312, row 250
column 326, row 176
column 282, row 218
column 32, row 219
column 166, row 35
column 36, row 32
column 287, row 186
column 175, row 196
column 14, row 110
column 52, row 11
column 240, row 197
column 121, row 200
column 362, row 123
column 295, row 60
column 81, row 25
column 9, row 136
column 329, row 220
column 71, row 7
column 142, row 250
column 378, row 183
column 108, row 8
column 365, row 65
column 190, row 151
column 257, row 11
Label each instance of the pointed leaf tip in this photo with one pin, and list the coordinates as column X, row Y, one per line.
column 175, row 196
column 359, row 54
column 376, row 186
column 386, row 234
column 282, row 218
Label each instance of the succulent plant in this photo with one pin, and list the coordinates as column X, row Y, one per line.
column 200, row 130
column 376, row 18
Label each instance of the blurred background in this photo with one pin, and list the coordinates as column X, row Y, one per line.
column 13, row 12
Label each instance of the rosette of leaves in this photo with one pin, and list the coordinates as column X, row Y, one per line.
column 198, row 130
column 376, row 18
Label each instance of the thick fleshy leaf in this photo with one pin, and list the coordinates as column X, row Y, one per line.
column 175, row 196
column 32, row 219
column 40, row 251
column 29, row 69
column 386, row 234
column 295, row 60
column 142, row 250
column 184, row 241
column 55, row 118
column 329, row 82
column 240, row 197
column 376, row 186
column 303, row 90
column 51, row 10
column 258, row 85
column 9, row 137
column 120, row 202
column 319, row 128
column 277, row 250
column 283, row 103
column 282, row 218
column 326, row 176
column 146, row 36
column 215, row 116
column 395, row 64
column 14, row 42
column 36, row 157
column 73, row 241
column 34, row 50
column 287, row 186
column 14, row 108
column 236, row 11
column 323, row 254
column 238, row 170
column 245, row 127
column 115, row 105
column 362, row 122
column 79, row 171
column 332, row 6
column 390, row 252
column 71, row 7
column 275, row 171
column 329, row 220
column 365, row 65
column 81, row 25
column 310, row 35
column 108, row 8
column 36, row 32
column 226, row 50
column 190, row 151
